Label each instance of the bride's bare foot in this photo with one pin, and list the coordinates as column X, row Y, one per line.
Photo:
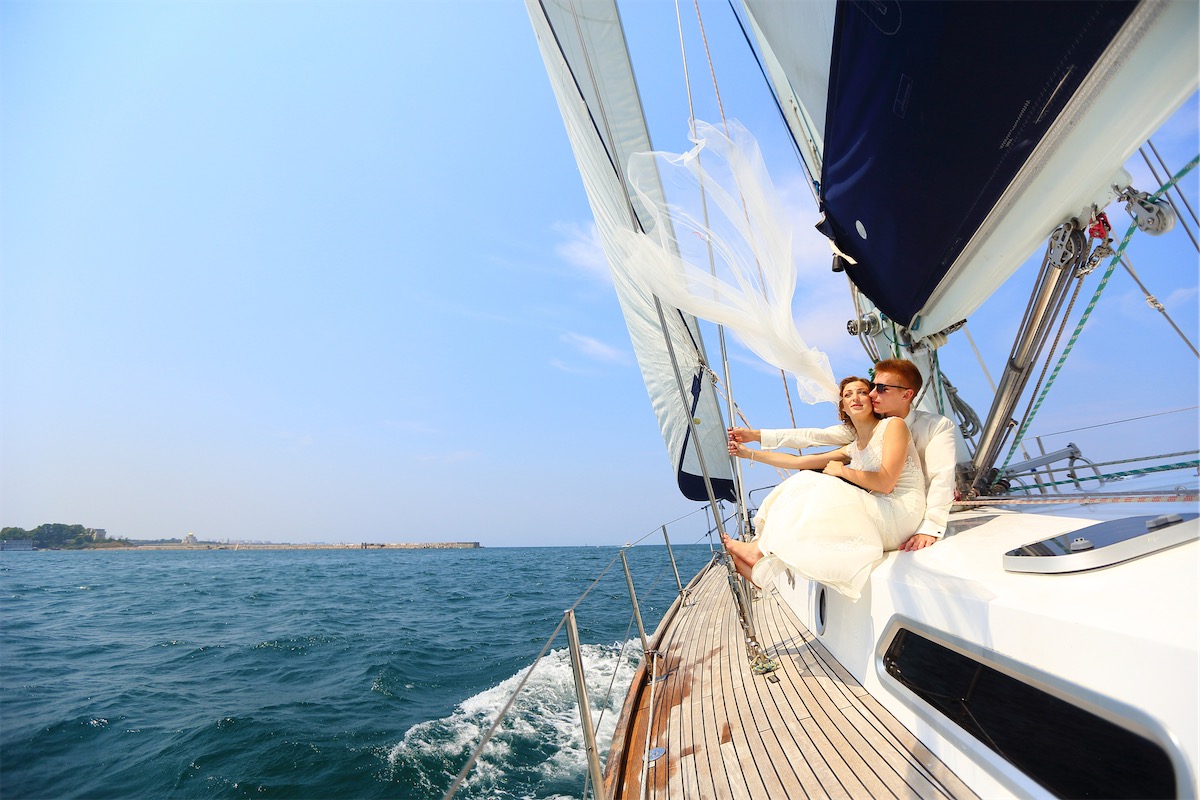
column 746, row 552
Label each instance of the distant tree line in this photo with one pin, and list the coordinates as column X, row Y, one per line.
column 55, row 535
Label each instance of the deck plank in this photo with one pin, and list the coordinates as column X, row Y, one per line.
column 893, row 743
column 758, row 715
column 856, row 729
column 817, row 778
column 871, row 759
column 841, row 750
column 743, row 733
column 713, row 724
column 733, row 766
column 732, row 735
column 680, row 760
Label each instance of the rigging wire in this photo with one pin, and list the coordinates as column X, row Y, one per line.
column 624, row 645
column 1143, row 458
column 1087, row 312
column 814, row 185
column 982, row 364
column 1120, row 421
column 1159, row 181
column 636, row 225
column 935, row 373
column 725, row 123
column 743, row 519
column 720, row 391
column 1178, row 189
column 487, row 736
column 1154, row 303
column 970, row 424
column 1113, row 476
column 611, row 685
column 760, row 661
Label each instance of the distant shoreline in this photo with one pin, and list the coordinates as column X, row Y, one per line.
column 203, row 546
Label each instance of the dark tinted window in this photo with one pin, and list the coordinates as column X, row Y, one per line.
column 1070, row 751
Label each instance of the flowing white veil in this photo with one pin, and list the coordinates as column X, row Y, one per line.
column 722, row 201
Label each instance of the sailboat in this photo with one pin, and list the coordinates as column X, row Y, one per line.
column 1034, row 651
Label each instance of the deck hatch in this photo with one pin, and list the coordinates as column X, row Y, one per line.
column 1103, row 544
column 1069, row 750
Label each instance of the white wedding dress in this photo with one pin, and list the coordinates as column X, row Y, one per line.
column 829, row 530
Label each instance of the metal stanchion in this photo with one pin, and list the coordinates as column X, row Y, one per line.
column 683, row 593
column 671, row 555
column 637, row 612
column 585, row 711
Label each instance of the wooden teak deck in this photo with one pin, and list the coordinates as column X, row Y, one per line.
column 808, row 730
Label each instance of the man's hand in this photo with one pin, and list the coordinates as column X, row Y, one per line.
column 917, row 541
column 743, row 435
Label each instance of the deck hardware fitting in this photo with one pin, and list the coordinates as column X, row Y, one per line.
column 764, row 665
column 655, row 677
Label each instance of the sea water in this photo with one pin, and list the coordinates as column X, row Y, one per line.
column 312, row 673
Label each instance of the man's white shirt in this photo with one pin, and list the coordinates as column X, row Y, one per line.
column 933, row 437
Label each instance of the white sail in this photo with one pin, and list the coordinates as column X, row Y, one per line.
column 592, row 78
column 796, row 40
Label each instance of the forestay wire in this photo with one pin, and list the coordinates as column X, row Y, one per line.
column 725, row 123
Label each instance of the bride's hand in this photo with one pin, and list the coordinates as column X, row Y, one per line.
column 738, row 449
column 833, row 468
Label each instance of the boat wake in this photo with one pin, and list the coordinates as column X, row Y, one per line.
column 538, row 749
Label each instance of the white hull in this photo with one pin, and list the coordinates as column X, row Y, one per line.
column 1119, row 641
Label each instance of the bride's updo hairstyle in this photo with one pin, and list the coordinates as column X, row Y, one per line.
column 842, row 415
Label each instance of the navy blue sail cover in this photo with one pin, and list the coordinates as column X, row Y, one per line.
column 933, row 107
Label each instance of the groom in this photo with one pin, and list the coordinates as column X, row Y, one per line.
column 897, row 382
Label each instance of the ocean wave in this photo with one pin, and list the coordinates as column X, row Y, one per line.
column 538, row 749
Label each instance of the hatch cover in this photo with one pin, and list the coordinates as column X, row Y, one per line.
column 1104, row 544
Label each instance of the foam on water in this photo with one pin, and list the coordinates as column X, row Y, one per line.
column 303, row 674
column 543, row 722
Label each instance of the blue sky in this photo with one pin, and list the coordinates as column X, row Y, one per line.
column 325, row 272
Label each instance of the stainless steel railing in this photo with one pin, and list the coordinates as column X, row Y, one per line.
column 594, row 775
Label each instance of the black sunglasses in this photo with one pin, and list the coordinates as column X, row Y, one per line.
column 883, row 387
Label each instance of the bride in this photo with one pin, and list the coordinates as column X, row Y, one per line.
column 832, row 526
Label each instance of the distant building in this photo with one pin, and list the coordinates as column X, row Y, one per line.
column 189, row 539
column 16, row 544
column 98, row 534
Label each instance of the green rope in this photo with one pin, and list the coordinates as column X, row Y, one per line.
column 1087, row 312
column 1119, row 475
